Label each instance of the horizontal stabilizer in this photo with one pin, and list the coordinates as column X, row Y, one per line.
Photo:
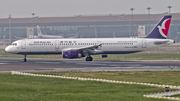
column 160, row 42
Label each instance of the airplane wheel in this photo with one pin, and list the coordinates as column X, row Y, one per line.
column 24, row 60
column 89, row 58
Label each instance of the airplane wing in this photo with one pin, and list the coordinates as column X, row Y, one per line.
column 92, row 47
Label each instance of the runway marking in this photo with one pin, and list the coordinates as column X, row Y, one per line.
column 113, row 65
column 90, row 64
column 43, row 69
column 149, row 67
column 114, row 69
column 49, row 62
column 10, row 61
column 3, row 63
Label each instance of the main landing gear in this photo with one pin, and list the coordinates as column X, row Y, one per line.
column 89, row 58
column 24, row 60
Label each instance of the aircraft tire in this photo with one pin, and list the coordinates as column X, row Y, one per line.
column 24, row 60
column 89, row 58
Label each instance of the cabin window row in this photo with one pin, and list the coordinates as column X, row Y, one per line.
column 79, row 44
column 85, row 44
column 97, row 44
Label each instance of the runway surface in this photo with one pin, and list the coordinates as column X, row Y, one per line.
column 47, row 65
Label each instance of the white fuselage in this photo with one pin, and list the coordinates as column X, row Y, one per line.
column 109, row 45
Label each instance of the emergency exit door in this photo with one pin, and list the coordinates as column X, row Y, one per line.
column 57, row 44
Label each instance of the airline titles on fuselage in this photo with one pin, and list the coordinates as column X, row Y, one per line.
column 42, row 42
column 126, row 44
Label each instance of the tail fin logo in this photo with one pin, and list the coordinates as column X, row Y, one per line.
column 163, row 29
column 39, row 31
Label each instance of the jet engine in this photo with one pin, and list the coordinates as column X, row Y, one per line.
column 71, row 54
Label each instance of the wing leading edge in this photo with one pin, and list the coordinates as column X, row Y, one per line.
column 92, row 47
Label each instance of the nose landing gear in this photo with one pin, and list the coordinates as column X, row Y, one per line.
column 24, row 60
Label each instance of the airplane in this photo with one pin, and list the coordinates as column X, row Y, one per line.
column 85, row 47
column 40, row 35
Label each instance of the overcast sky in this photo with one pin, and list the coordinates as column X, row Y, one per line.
column 54, row 8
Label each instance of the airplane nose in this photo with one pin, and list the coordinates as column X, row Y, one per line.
column 6, row 49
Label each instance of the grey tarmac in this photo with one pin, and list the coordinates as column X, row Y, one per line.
column 48, row 65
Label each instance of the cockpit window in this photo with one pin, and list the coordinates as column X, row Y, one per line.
column 14, row 44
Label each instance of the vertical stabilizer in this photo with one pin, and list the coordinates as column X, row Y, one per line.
column 160, row 31
column 39, row 31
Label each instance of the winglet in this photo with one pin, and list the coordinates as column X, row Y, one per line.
column 160, row 31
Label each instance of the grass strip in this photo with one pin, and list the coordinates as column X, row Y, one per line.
column 18, row 87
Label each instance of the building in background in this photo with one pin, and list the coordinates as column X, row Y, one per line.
column 29, row 32
column 141, row 31
column 86, row 26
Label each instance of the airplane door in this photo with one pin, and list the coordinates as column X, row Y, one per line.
column 143, row 43
column 57, row 44
column 23, row 44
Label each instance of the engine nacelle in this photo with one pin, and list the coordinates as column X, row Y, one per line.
column 71, row 54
